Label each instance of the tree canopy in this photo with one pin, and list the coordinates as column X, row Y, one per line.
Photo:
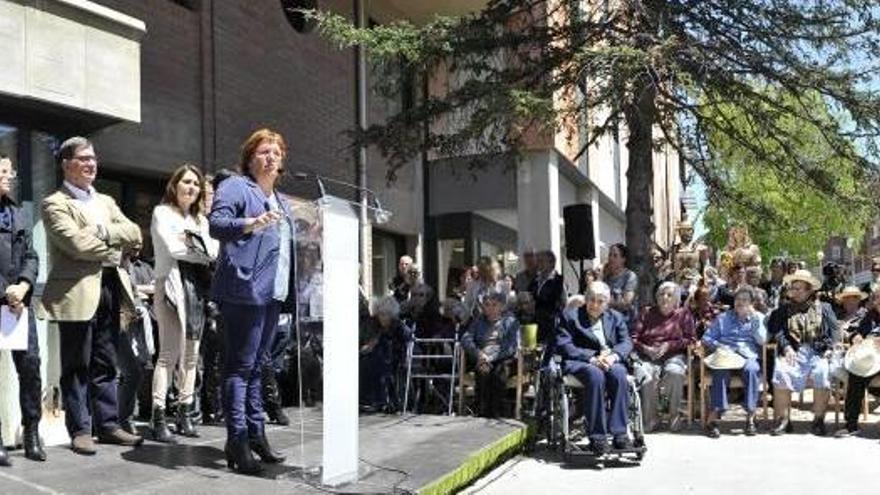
column 803, row 217
column 748, row 75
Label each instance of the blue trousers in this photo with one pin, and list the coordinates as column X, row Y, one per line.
column 88, row 363
column 249, row 331
column 597, row 384
column 721, row 379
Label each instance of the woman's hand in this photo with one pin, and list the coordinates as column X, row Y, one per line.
column 16, row 308
column 261, row 222
column 16, row 293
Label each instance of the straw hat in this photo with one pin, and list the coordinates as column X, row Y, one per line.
column 850, row 291
column 725, row 358
column 863, row 359
column 803, row 276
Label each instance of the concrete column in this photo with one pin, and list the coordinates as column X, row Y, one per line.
column 537, row 195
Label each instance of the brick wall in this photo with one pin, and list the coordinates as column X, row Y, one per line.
column 171, row 121
column 265, row 74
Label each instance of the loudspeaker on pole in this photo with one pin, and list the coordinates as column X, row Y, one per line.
column 579, row 242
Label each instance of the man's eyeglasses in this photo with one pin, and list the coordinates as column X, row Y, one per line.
column 85, row 159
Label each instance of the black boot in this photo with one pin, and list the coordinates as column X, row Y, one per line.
column 33, row 447
column 185, row 424
column 4, row 456
column 160, row 426
column 239, row 457
column 272, row 398
column 260, row 445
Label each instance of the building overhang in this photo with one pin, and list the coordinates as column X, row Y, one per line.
column 70, row 58
column 568, row 170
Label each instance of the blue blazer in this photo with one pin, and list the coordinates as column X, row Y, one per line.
column 246, row 263
column 574, row 341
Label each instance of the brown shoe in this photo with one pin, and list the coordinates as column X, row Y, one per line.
column 119, row 436
column 83, row 445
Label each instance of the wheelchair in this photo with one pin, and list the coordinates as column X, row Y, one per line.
column 560, row 421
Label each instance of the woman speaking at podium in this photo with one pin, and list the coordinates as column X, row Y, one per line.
column 253, row 283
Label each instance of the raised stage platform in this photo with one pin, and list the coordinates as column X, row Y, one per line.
column 399, row 454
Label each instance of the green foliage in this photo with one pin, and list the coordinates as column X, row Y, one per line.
column 801, row 216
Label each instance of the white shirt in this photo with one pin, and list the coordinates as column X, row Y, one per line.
column 88, row 201
column 168, row 247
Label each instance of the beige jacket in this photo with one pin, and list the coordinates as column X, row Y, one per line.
column 77, row 256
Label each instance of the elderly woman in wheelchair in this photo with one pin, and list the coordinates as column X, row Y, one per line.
column 735, row 340
column 594, row 343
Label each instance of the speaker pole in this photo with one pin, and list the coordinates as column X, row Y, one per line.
column 582, row 280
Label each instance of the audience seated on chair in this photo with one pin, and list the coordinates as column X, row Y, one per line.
column 382, row 341
column 804, row 329
column 862, row 364
column 594, row 343
column 661, row 337
column 734, row 340
column 491, row 342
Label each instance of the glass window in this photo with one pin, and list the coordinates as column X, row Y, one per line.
column 452, row 262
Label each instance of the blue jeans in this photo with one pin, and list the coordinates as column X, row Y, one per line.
column 249, row 331
column 751, row 385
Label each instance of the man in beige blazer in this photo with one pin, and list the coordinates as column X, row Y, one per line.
column 87, row 293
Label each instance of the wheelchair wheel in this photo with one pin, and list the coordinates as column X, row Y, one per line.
column 564, row 419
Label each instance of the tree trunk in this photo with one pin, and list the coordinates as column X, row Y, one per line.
column 640, row 114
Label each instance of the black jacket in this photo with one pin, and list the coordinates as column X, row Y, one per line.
column 20, row 262
column 777, row 326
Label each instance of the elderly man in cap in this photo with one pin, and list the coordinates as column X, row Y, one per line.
column 735, row 339
column 594, row 342
column 804, row 329
column 862, row 363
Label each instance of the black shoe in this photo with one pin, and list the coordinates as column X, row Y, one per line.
column 622, row 442
column 818, row 427
column 33, row 447
column 212, row 419
column 277, row 416
column 239, row 457
column 751, row 430
column 184, row 422
column 272, row 398
column 598, row 446
column 4, row 456
column 128, row 427
column 712, row 430
column 260, row 445
column 849, row 431
column 782, row 428
column 159, row 424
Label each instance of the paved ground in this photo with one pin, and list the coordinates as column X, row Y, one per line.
column 796, row 464
column 398, row 454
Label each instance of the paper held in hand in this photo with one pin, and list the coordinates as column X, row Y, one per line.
column 13, row 329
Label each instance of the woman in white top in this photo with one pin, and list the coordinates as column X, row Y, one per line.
column 183, row 251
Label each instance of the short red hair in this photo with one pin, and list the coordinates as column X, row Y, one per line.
column 255, row 140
